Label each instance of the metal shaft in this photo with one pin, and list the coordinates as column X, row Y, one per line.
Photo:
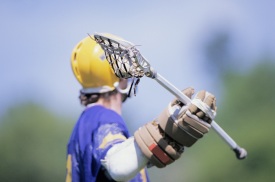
column 240, row 152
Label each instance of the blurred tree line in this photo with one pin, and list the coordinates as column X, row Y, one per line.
column 246, row 114
column 33, row 145
column 33, row 140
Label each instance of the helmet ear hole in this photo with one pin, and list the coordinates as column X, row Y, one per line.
column 79, row 45
column 74, row 57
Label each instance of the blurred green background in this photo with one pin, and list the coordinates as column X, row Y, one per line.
column 33, row 140
column 224, row 47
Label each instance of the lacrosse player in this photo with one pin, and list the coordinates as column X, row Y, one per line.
column 100, row 147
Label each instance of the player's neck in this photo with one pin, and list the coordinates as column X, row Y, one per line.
column 113, row 102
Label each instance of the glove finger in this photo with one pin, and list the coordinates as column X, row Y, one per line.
column 210, row 100
column 194, row 109
column 200, row 114
column 203, row 116
column 188, row 92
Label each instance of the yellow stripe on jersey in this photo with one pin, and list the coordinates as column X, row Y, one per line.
column 69, row 169
column 143, row 175
column 110, row 137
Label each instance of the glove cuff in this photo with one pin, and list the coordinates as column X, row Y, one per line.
column 155, row 147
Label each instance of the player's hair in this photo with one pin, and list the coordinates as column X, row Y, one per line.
column 86, row 99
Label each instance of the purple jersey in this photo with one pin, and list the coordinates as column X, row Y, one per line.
column 95, row 132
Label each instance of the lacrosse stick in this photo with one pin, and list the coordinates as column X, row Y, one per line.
column 127, row 62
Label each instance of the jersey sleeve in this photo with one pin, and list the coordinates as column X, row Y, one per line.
column 110, row 131
column 96, row 131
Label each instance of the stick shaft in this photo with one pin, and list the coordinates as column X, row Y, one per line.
column 224, row 135
column 183, row 98
column 240, row 152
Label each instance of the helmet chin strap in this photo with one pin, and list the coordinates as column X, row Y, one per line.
column 128, row 89
column 122, row 91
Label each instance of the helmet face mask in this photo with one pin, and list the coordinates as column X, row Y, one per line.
column 124, row 88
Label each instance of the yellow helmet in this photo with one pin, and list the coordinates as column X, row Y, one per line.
column 91, row 68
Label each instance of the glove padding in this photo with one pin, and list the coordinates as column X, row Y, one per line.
column 157, row 149
column 192, row 123
column 163, row 140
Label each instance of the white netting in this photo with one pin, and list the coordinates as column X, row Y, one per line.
column 123, row 56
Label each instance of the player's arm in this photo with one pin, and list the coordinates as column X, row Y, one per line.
column 123, row 160
column 161, row 142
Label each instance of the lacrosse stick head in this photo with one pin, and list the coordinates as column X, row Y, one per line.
column 123, row 56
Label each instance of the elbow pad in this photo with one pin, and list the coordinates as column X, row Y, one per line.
column 124, row 160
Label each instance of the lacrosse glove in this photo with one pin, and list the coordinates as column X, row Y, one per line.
column 163, row 140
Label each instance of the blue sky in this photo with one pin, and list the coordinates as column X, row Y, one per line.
column 37, row 38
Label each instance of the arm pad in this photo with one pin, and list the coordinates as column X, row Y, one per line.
column 124, row 160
